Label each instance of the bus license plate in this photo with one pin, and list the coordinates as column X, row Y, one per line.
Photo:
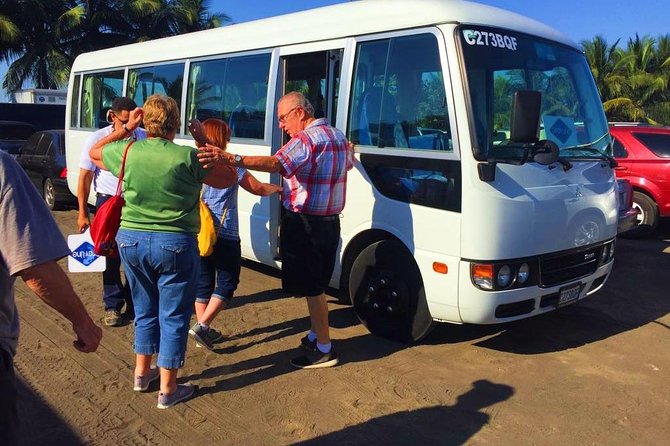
column 568, row 294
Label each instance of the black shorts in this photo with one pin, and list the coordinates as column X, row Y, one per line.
column 308, row 246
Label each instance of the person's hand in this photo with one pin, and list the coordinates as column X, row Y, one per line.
column 198, row 134
column 276, row 189
column 352, row 146
column 83, row 222
column 88, row 336
column 210, row 155
column 135, row 118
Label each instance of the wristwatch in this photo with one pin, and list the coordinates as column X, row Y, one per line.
column 238, row 159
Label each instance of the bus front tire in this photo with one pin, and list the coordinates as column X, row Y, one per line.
column 388, row 294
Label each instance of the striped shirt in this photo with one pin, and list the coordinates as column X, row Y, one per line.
column 314, row 166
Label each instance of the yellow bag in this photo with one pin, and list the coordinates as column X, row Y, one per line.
column 207, row 234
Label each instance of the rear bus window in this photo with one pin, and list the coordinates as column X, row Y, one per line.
column 98, row 92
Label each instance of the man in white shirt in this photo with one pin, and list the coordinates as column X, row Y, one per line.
column 115, row 293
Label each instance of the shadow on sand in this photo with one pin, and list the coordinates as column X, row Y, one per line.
column 39, row 424
column 443, row 425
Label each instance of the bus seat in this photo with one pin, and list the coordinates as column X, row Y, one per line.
column 377, row 126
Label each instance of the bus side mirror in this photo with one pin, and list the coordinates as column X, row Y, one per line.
column 525, row 120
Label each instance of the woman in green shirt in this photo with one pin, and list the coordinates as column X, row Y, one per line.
column 157, row 239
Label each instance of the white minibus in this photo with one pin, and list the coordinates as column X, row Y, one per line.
column 483, row 189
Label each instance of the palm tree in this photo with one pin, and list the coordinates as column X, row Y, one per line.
column 41, row 38
column 633, row 83
column 37, row 43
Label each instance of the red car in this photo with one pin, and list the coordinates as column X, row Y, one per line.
column 643, row 154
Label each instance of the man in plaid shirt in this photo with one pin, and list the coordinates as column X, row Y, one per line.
column 314, row 165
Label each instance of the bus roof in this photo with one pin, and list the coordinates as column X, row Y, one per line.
column 330, row 22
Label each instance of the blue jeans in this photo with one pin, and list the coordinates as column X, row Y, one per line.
column 163, row 270
column 114, row 292
column 220, row 272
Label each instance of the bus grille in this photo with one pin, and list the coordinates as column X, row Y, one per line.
column 557, row 269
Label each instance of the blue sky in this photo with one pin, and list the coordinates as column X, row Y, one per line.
column 579, row 19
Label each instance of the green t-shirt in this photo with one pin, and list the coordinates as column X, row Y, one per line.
column 161, row 184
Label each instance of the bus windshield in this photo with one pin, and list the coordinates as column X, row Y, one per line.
column 499, row 62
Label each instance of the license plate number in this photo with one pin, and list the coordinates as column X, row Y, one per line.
column 568, row 294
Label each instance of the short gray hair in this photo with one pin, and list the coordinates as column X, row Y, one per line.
column 300, row 101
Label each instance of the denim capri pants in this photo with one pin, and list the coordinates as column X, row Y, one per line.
column 162, row 269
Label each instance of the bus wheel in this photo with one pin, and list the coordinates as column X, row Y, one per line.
column 387, row 292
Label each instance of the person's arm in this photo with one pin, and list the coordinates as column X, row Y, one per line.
column 211, row 155
column 251, row 184
column 50, row 283
column 83, row 190
column 134, row 121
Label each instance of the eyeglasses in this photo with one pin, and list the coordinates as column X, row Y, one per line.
column 111, row 115
column 282, row 118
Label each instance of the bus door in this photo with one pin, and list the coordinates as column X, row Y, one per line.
column 317, row 76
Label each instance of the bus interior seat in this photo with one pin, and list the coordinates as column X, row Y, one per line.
column 206, row 113
column 246, row 122
column 379, row 126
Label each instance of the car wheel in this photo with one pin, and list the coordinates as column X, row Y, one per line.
column 388, row 294
column 49, row 194
column 647, row 216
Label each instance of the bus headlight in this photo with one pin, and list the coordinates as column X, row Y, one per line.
column 482, row 275
column 523, row 274
column 505, row 276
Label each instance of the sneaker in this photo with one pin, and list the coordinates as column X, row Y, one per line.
column 142, row 382
column 308, row 345
column 112, row 318
column 316, row 360
column 215, row 336
column 182, row 392
column 199, row 333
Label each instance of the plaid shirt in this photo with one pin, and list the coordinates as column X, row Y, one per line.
column 314, row 166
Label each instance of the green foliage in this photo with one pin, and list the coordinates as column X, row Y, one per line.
column 634, row 83
column 41, row 38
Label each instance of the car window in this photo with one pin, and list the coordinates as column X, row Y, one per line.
column 659, row 143
column 15, row 130
column 59, row 144
column 30, row 147
column 619, row 149
column 44, row 145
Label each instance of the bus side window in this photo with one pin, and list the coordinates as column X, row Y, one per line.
column 159, row 79
column 399, row 97
column 98, row 92
column 233, row 89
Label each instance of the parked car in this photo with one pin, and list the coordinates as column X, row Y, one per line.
column 628, row 214
column 13, row 134
column 43, row 159
column 643, row 154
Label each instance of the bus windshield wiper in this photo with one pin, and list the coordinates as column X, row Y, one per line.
column 588, row 148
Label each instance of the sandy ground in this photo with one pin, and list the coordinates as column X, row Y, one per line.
column 594, row 373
